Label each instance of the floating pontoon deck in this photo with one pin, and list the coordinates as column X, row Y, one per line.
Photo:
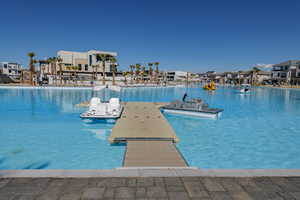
column 142, row 121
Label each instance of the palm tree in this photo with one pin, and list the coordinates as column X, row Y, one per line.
column 239, row 77
column 75, row 68
column 156, row 71
column 103, row 58
column 254, row 74
column 69, row 68
column 131, row 72
column 41, row 68
column 137, row 72
column 94, row 73
column 113, row 62
column 187, row 78
column 31, row 66
column 150, row 71
column 59, row 61
column 52, row 61
column 125, row 75
column 143, row 72
column 22, row 76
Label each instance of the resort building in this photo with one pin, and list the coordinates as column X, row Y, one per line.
column 285, row 72
column 176, row 75
column 13, row 70
column 263, row 77
column 297, row 78
column 240, row 77
column 181, row 76
column 82, row 66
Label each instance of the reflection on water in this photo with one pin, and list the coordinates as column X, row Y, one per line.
column 41, row 128
column 66, row 99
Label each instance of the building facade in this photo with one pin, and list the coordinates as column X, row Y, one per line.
column 13, row 70
column 82, row 66
column 297, row 75
column 176, row 75
column 236, row 78
column 263, row 77
column 285, row 72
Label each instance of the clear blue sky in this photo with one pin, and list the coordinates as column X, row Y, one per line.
column 192, row 35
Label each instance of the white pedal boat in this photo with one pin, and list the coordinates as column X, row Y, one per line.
column 103, row 110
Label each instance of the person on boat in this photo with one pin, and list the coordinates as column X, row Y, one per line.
column 184, row 97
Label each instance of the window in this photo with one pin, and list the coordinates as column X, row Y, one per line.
column 79, row 67
column 9, row 71
column 86, row 67
column 286, row 67
column 298, row 74
column 5, row 66
column 283, row 75
column 90, row 60
column 299, row 67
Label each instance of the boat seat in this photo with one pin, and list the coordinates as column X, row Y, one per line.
column 95, row 101
column 114, row 104
column 101, row 109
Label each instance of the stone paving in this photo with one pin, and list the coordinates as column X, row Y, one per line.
column 206, row 188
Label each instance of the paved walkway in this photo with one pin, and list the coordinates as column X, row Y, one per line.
column 142, row 121
column 152, row 154
column 206, row 188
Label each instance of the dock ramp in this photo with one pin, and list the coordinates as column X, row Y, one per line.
column 152, row 154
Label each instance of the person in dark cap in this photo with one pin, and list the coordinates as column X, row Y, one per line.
column 184, row 96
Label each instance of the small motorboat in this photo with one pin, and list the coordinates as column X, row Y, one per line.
column 111, row 87
column 194, row 107
column 244, row 89
column 99, row 88
column 103, row 110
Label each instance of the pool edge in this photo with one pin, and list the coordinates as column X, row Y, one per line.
column 149, row 172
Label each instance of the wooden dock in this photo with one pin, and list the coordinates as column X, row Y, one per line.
column 150, row 138
column 142, row 121
column 152, row 154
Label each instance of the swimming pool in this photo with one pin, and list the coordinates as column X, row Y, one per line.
column 41, row 129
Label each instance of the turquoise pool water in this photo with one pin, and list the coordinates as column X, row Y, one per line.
column 41, row 129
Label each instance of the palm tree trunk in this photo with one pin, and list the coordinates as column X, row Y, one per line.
column 96, row 76
column 137, row 78
column 131, row 77
column 55, row 73
column 103, row 70
column 114, row 76
column 60, row 73
column 31, row 78
column 75, row 76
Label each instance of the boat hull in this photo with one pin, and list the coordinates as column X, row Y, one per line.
column 194, row 113
column 87, row 115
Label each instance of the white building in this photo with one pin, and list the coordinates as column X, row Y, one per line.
column 84, row 60
column 79, row 66
column 13, row 70
column 176, row 75
column 182, row 76
column 298, row 70
column 285, row 72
